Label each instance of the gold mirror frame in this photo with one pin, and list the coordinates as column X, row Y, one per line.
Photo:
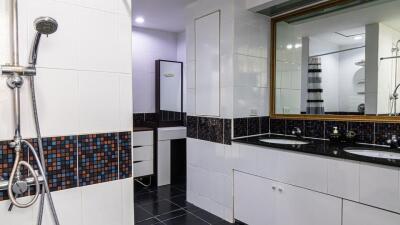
column 299, row 12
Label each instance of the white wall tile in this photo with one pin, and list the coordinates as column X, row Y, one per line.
column 106, row 211
column 68, row 204
column 57, row 98
column 127, row 202
column 98, row 105
column 16, row 216
column 125, row 97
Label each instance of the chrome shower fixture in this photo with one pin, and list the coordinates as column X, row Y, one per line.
column 43, row 26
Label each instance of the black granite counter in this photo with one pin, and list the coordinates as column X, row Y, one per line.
column 323, row 148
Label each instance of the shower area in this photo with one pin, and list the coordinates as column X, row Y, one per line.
column 65, row 113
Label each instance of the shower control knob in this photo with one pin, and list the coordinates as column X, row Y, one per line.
column 20, row 187
column 15, row 82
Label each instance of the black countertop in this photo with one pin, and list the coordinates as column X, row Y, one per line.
column 323, row 148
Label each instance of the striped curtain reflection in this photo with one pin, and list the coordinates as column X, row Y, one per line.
column 315, row 103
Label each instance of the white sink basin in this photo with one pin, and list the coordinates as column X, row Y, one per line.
column 374, row 153
column 284, row 141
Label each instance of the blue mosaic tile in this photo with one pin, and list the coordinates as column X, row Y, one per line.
column 125, row 155
column 98, row 158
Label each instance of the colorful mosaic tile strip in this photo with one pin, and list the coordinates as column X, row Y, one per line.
column 125, row 155
column 98, row 158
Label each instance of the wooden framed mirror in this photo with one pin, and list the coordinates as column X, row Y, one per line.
column 337, row 60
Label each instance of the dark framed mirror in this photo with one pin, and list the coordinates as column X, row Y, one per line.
column 169, row 93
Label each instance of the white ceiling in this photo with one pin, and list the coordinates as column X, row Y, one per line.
column 341, row 40
column 167, row 15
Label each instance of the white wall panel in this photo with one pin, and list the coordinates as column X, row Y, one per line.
column 207, row 40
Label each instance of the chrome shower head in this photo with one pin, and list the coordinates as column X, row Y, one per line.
column 43, row 25
column 46, row 25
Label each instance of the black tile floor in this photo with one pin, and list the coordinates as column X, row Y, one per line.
column 167, row 205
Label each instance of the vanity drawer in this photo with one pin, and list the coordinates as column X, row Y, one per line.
column 142, row 168
column 143, row 153
column 142, row 138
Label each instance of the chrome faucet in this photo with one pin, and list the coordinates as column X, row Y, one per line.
column 393, row 142
column 297, row 132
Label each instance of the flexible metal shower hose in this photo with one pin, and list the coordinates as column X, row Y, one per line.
column 45, row 187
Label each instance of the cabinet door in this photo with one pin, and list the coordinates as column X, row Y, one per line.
column 380, row 187
column 254, row 199
column 358, row 214
column 298, row 206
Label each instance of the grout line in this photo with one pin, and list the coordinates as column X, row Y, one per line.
column 118, row 153
column 77, row 160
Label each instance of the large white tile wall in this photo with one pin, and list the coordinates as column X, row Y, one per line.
column 84, row 85
column 148, row 46
column 81, row 206
column 83, row 68
column 210, row 177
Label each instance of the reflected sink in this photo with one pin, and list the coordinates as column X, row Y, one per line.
column 284, row 141
column 374, row 153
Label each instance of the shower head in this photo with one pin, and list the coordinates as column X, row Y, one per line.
column 46, row 25
column 43, row 25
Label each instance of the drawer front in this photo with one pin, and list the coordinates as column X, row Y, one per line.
column 358, row 214
column 143, row 153
column 142, row 138
column 143, row 168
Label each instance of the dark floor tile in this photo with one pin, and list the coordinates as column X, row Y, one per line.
column 187, row 219
column 171, row 215
column 146, row 198
column 150, row 221
column 167, row 192
column 141, row 214
column 180, row 200
column 210, row 218
column 181, row 187
column 160, row 207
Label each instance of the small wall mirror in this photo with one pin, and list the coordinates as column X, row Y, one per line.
column 169, row 96
column 338, row 59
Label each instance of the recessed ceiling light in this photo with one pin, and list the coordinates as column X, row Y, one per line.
column 289, row 46
column 139, row 20
column 358, row 37
column 297, row 45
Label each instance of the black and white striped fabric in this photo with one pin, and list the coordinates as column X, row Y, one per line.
column 315, row 103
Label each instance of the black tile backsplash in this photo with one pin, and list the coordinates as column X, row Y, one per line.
column 278, row 126
column 264, row 124
column 145, row 120
column 227, row 131
column 240, row 127
column 253, row 125
column 365, row 131
column 384, row 131
column 211, row 129
column 329, row 125
column 314, row 128
column 291, row 124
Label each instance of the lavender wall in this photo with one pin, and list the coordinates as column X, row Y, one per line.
column 150, row 45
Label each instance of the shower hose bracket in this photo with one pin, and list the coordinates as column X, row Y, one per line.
column 9, row 70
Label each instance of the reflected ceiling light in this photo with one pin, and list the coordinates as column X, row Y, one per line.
column 289, row 46
column 139, row 20
column 358, row 37
column 297, row 45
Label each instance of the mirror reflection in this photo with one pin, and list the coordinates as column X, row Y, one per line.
column 170, row 74
column 339, row 61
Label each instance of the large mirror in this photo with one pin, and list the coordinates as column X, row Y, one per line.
column 338, row 58
column 169, row 85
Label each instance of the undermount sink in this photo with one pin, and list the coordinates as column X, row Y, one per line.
column 284, row 141
column 374, row 153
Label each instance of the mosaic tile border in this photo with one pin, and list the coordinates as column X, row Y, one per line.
column 78, row 160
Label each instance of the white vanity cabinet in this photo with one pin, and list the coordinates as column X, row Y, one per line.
column 294, row 188
column 358, row 214
column 143, row 150
column 260, row 201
